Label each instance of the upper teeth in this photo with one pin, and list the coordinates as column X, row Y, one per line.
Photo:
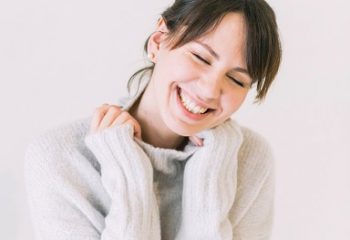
column 190, row 105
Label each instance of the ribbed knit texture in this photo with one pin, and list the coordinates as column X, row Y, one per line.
column 112, row 186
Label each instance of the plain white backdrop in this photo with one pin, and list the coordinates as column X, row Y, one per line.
column 61, row 59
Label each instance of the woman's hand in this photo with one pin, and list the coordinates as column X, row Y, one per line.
column 126, row 174
column 196, row 140
column 107, row 116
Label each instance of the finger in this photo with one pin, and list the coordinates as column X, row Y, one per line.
column 112, row 113
column 125, row 117
column 130, row 122
column 121, row 119
column 196, row 140
column 97, row 117
column 137, row 129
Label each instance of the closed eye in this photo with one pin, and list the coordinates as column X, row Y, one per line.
column 202, row 59
column 205, row 61
column 236, row 81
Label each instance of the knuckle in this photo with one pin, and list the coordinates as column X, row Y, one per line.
column 98, row 109
column 99, row 113
column 114, row 109
column 125, row 114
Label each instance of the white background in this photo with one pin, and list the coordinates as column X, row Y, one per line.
column 61, row 59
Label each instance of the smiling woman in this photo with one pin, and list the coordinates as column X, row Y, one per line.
column 169, row 162
column 205, row 81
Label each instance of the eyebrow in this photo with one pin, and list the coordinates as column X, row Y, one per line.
column 217, row 57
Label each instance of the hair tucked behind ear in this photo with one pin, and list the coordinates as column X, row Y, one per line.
column 263, row 48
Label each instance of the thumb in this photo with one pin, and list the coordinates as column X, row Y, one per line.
column 136, row 127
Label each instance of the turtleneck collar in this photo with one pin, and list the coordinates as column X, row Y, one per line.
column 162, row 158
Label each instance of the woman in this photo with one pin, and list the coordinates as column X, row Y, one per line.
column 169, row 162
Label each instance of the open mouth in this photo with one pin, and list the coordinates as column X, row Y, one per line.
column 189, row 106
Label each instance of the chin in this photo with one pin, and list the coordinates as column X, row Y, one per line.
column 183, row 130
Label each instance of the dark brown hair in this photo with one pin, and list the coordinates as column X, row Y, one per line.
column 263, row 48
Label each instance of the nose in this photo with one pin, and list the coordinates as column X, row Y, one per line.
column 209, row 87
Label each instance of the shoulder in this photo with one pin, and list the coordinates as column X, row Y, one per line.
column 253, row 205
column 56, row 150
column 62, row 176
column 255, row 156
column 61, row 136
column 254, row 141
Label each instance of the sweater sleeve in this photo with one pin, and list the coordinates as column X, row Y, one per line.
column 209, row 186
column 63, row 194
column 253, row 210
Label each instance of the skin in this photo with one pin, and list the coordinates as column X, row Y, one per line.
column 208, row 79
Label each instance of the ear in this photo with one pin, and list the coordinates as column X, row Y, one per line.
column 156, row 39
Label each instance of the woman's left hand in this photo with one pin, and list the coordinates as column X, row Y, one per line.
column 196, row 140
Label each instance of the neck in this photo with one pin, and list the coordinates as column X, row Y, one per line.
column 154, row 131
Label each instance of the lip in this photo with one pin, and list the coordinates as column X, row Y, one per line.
column 187, row 113
column 195, row 100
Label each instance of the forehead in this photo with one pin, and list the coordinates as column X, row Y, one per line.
column 230, row 33
column 228, row 38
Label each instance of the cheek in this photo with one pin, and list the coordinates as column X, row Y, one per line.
column 232, row 102
column 178, row 68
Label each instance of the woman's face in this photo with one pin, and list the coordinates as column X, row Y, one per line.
column 214, row 79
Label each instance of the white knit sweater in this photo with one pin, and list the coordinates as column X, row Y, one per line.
column 113, row 186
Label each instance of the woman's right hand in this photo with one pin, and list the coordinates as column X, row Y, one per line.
column 107, row 116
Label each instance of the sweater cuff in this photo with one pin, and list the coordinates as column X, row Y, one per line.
column 127, row 175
